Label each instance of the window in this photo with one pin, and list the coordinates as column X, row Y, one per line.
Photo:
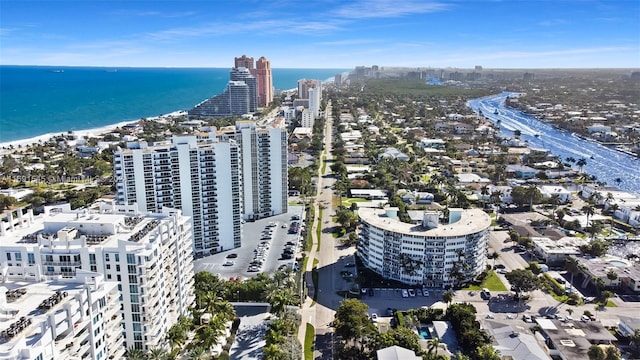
column 92, row 258
column 31, row 258
column 9, row 256
column 117, row 257
column 18, row 256
column 106, row 257
column 131, row 259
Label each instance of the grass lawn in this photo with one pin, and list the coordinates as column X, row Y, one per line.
column 347, row 201
column 610, row 303
column 492, row 282
column 309, row 337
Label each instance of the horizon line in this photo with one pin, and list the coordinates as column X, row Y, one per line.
column 329, row 68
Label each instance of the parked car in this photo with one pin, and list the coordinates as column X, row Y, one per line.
column 411, row 292
column 374, row 317
column 349, row 264
column 425, row 292
column 232, row 256
column 418, row 292
column 405, row 293
column 228, row 263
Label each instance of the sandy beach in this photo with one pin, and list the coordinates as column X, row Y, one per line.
column 5, row 146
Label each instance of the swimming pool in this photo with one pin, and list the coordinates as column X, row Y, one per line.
column 618, row 263
column 424, row 333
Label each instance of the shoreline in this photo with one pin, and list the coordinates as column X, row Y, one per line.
column 21, row 143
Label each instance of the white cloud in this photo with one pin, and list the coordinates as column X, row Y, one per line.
column 388, row 8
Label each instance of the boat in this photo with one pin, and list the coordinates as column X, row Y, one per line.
column 495, row 112
column 57, row 71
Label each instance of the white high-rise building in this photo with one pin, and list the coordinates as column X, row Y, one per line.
column 307, row 119
column 199, row 175
column 265, row 177
column 431, row 253
column 145, row 258
column 314, row 101
column 63, row 318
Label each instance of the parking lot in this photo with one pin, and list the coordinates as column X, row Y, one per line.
column 382, row 299
column 263, row 244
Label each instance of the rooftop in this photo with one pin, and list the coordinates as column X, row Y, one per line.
column 83, row 228
column 471, row 221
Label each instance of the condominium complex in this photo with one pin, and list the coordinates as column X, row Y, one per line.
column 198, row 174
column 93, row 282
column 311, row 90
column 249, row 88
column 265, row 82
column 63, row 318
column 430, row 253
column 263, row 156
column 235, row 100
column 244, row 75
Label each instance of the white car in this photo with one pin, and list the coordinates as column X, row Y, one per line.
column 412, row 293
column 228, row 263
column 405, row 293
column 374, row 317
column 425, row 292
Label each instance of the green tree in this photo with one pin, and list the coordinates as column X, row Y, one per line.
column 581, row 163
column 135, row 354
column 447, row 297
column 588, row 210
column 494, row 256
column 488, row 352
column 612, row 353
column 7, row 201
column 596, row 353
column 523, row 279
column 526, row 195
column 352, row 322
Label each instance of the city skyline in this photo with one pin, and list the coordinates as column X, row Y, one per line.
column 327, row 34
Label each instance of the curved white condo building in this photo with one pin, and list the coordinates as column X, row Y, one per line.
column 427, row 253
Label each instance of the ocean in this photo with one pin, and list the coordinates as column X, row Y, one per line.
column 38, row 100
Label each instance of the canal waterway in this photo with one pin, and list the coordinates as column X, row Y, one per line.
column 607, row 164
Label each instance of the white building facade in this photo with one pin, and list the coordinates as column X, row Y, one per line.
column 200, row 176
column 65, row 318
column 263, row 160
column 148, row 256
column 431, row 254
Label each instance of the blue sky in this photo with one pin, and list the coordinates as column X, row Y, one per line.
column 322, row 34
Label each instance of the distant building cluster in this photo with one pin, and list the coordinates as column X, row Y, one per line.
column 248, row 89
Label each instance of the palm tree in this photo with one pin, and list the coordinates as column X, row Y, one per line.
column 494, row 256
column 554, row 201
column 433, row 346
column 447, row 297
column 135, row 354
column 157, row 354
column 581, row 163
column 588, row 210
column 199, row 353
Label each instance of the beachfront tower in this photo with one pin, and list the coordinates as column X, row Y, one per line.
column 265, row 82
column 245, row 62
column 197, row 174
column 244, row 75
